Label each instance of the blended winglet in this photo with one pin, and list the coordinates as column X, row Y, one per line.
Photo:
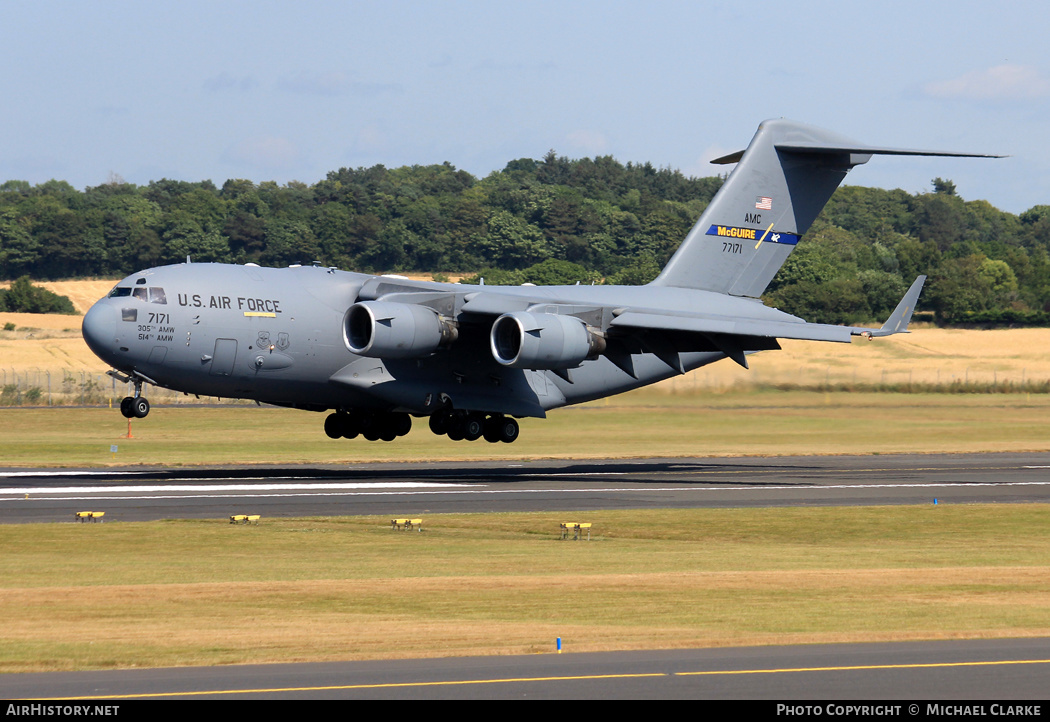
column 901, row 316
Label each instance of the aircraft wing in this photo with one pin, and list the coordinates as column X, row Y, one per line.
column 731, row 327
column 729, row 334
column 897, row 323
column 628, row 329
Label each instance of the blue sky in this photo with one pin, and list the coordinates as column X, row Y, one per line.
column 289, row 91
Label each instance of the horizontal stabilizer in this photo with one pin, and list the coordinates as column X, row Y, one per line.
column 860, row 149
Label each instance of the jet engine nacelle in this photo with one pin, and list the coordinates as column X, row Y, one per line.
column 381, row 329
column 525, row 340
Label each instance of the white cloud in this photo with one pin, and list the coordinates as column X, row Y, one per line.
column 311, row 83
column 701, row 167
column 1002, row 82
column 265, row 152
column 588, row 142
column 226, row 83
column 333, row 84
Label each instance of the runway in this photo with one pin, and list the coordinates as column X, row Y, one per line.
column 955, row 670
column 130, row 494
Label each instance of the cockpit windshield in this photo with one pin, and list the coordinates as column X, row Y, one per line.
column 153, row 294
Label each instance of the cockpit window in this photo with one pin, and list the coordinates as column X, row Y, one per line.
column 153, row 294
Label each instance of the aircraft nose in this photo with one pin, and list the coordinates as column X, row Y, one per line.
column 100, row 328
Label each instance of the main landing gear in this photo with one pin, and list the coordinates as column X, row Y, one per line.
column 457, row 425
column 473, row 425
column 372, row 426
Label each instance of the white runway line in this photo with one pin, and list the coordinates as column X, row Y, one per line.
column 151, row 488
column 421, row 488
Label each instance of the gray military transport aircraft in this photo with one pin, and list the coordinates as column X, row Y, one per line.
column 378, row 350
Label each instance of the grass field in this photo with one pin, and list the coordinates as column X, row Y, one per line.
column 207, row 592
column 204, row 592
column 640, row 424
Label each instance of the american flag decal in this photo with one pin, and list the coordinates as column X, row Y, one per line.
column 764, row 203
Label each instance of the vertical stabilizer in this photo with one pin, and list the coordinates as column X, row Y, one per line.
column 779, row 186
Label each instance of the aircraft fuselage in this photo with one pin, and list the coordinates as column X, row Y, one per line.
column 278, row 336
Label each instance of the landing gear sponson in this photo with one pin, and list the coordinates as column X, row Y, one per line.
column 457, row 425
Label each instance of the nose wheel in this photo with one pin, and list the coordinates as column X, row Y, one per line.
column 134, row 407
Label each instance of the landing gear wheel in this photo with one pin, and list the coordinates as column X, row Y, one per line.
column 125, row 407
column 333, row 426
column 492, row 427
column 439, row 422
column 456, row 427
column 140, row 407
column 391, row 426
column 508, row 430
column 473, row 427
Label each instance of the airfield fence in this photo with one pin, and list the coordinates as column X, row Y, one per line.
column 61, row 387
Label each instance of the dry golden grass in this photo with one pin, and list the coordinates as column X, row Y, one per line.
column 206, row 592
column 82, row 293
column 45, row 351
column 43, row 342
column 325, row 620
column 925, row 356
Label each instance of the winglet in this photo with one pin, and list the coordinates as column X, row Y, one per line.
column 901, row 316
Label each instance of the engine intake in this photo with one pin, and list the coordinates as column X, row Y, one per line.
column 525, row 340
column 381, row 329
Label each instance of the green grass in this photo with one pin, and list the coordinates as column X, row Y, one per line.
column 80, row 596
column 77, row 596
column 641, row 424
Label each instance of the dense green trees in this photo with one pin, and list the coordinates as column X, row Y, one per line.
column 552, row 220
column 24, row 297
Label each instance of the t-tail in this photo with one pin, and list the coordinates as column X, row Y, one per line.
column 780, row 184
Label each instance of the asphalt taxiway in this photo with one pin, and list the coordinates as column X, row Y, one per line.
column 1002, row 670
column 140, row 494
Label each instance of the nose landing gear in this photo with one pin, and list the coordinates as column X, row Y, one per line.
column 137, row 406
column 134, row 407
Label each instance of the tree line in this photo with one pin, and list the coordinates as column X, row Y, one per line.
column 552, row 220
